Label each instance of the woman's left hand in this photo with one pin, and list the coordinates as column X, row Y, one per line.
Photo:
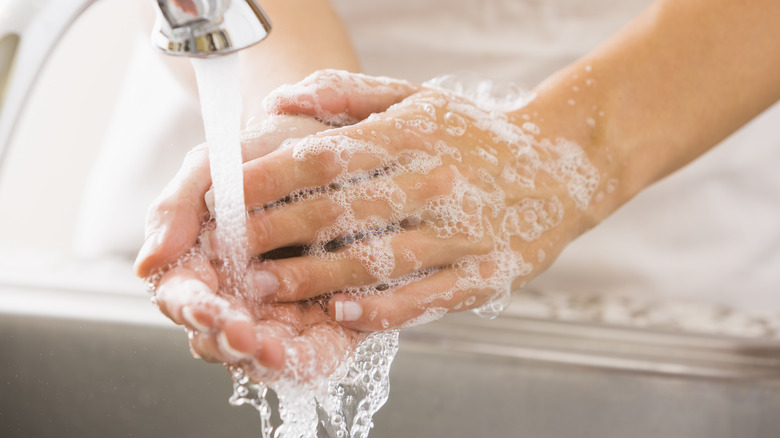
column 433, row 205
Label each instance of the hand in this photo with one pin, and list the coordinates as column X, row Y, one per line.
column 434, row 205
column 174, row 220
column 295, row 341
column 260, row 339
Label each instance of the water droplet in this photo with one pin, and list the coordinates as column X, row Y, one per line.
column 456, row 124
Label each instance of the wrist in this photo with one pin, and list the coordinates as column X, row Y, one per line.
column 569, row 113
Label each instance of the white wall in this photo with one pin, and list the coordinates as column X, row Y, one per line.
column 61, row 129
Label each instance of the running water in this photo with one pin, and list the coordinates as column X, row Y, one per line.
column 220, row 100
column 343, row 402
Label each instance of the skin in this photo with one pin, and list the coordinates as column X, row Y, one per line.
column 678, row 79
column 298, row 45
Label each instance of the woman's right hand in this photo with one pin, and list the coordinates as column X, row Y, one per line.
column 175, row 219
column 186, row 283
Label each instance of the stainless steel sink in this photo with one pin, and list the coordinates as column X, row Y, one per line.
column 94, row 373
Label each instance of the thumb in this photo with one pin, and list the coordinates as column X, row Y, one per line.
column 338, row 97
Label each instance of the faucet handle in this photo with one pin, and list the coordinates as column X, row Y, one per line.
column 200, row 28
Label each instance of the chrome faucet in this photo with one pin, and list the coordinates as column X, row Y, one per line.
column 29, row 30
column 208, row 27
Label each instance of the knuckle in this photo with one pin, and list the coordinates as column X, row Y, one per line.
column 271, row 182
column 161, row 207
column 484, row 246
column 261, row 235
column 299, row 281
column 264, row 185
column 440, row 182
column 196, row 155
column 329, row 212
column 324, row 167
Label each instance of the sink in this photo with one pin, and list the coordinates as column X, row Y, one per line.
column 90, row 362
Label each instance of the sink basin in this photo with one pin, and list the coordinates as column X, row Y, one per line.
column 87, row 362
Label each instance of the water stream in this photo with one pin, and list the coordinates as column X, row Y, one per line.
column 220, row 98
column 345, row 402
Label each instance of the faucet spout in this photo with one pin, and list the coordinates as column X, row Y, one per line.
column 203, row 28
column 29, row 30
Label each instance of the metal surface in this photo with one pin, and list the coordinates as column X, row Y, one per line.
column 74, row 370
column 208, row 27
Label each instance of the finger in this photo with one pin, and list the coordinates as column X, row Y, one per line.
column 338, row 97
column 318, row 350
column 299, row 342
column 273, row 133
column 185, row 294
column 251, row 343
column 363, row 264
column 419, row 302
column 314, row 162
column 174, row 219
column 340, row 155
column 300, row 222
column 239, row 342
column 204, row 346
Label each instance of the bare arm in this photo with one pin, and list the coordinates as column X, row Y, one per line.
column 677, row 80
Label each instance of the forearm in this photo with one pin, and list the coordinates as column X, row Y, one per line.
column 307, row 35
column 678, row 79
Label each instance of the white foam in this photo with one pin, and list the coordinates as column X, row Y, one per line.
column 431, row 314
column 440, row 126
column 298, row 388
column 472, row 205
column 531, row 218
column 326, row 86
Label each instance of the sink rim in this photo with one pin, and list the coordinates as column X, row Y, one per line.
column 508, row 337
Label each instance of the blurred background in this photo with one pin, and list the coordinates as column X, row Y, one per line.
column 63, row 125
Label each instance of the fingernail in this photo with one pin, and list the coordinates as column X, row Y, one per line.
column 149, row 247
column 189, row 317
column 263, row 283
column 209, row 199
column 347, row 311
column 228, row 349
column 258, row 367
